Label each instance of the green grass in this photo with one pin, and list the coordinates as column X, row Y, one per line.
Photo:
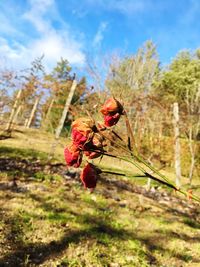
column 20, row 153
column 77, row 228
column 50, row 221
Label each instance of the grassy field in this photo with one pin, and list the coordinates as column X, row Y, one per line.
column 48, row 219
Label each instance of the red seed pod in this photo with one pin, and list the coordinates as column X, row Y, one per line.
column 111, row 107
column 73, row 156
column 84, row 125
column 82, row 131
column 78, row 138
column 110, row 120
column 89, row 176
column 93, row 149
column 92, row 154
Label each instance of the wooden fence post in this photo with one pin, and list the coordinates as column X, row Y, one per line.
column 177, row 147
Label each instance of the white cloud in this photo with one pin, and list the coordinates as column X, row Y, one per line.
column 53, row 44
column 56, row 45
column 126, row 7
column 7, row 26
column 53, row 47
column 99, row 35
column 12, row 52
column 38, row 9
column 50, row 42
column 130, row 7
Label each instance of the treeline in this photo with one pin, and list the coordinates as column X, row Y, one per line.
column 33, row 98
column 149, row 92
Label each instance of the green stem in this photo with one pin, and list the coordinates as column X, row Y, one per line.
column 146, row 174
column 115, row 173
column 137, row 157
column 131, row 139
column 141, row 160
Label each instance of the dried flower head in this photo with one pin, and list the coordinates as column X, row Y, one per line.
column 89, row 176
column 73, row 156
column 79, row 139
column 82, row 131
column 112, row 110
column 94, row 148
column 110, row 120
column 83, row 124
column 111, row 107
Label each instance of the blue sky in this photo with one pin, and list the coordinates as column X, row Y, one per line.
column 76, row 29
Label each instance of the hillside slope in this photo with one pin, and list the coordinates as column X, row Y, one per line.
column 48, row 219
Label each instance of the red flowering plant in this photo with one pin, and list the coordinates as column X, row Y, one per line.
column 89, row 176
column 73, row 156
column 90, row 139
column 112, row 110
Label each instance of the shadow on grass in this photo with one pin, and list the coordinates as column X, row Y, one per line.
column 191, row 213
column 4, row 136
column 154, row 243
column 93, row 228
column 38, row 253
column 182, row 236
column 191, row 223
column 20, row 153
column 16, row 162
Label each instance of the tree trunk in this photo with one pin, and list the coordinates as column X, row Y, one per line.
column 33, row 111
column 160, row 135
column 66, row 108
column 25, row 123
column 151, row 134
column 12, row 114
column 177, row 147
column 16, row 114
column 62, row 120
column 192, row 153
column 48, row 112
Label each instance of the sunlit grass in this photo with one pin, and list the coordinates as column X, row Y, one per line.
column 53, row 221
